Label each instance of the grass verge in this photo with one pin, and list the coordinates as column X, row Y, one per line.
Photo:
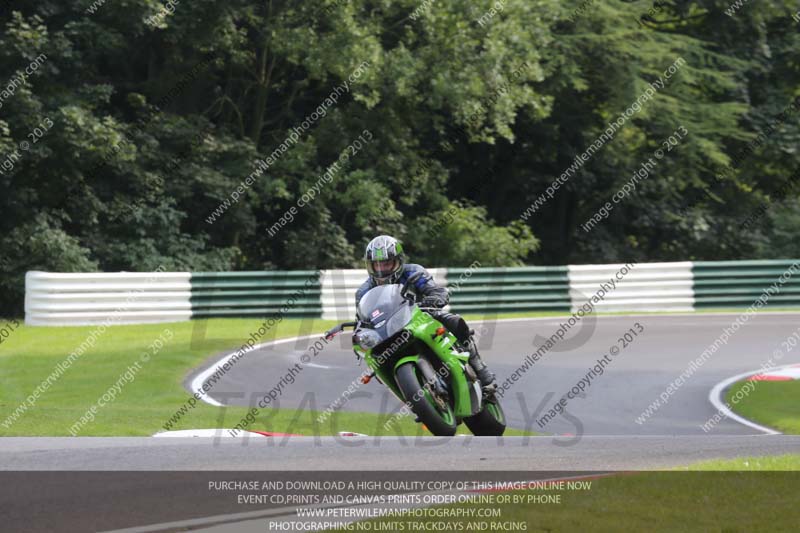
column 770, row 463
column 741, row 495
column 771, row 403
column 144, row 404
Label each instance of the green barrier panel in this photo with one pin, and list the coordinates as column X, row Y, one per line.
column 742, row 283
column 295, row 294
column 513, row 289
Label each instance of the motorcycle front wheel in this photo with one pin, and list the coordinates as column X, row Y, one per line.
column 433, row 411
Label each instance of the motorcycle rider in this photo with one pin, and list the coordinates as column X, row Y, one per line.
column 385, row 262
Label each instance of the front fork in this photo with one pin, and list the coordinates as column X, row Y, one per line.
column 467, row 395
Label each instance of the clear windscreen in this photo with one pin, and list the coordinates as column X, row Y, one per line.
column 385, row 310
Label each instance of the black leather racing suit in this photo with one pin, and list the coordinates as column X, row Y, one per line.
column 429, row 294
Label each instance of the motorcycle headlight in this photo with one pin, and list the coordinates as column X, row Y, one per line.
column 368, row 338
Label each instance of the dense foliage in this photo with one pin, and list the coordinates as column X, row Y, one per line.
column 146, row 116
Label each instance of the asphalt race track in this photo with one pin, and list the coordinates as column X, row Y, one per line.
column 599, row 435
column 367, row 453
column 633, row 379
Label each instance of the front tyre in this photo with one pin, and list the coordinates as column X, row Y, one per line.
column 489, row 422
column 433, row 411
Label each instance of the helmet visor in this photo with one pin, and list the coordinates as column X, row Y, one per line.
column 385, row 268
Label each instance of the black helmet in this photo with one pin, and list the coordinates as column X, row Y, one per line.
column 384, row 259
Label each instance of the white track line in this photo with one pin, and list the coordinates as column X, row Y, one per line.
column 715, row 397
column 314, row 365
column 202, row 377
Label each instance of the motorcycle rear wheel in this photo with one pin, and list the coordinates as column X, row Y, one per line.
column 489, row 422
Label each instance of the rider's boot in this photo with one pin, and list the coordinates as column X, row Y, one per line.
column 475, row 361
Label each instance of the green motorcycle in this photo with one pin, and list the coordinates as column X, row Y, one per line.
column 421, row 362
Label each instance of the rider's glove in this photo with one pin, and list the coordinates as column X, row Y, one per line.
column 433, row 301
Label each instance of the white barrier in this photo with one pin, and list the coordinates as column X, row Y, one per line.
column 58, row 299
column 645, row 287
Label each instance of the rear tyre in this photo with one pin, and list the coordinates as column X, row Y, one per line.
column 489, row 422
column 433, row 411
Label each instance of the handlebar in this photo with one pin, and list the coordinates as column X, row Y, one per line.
column 335, row 330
